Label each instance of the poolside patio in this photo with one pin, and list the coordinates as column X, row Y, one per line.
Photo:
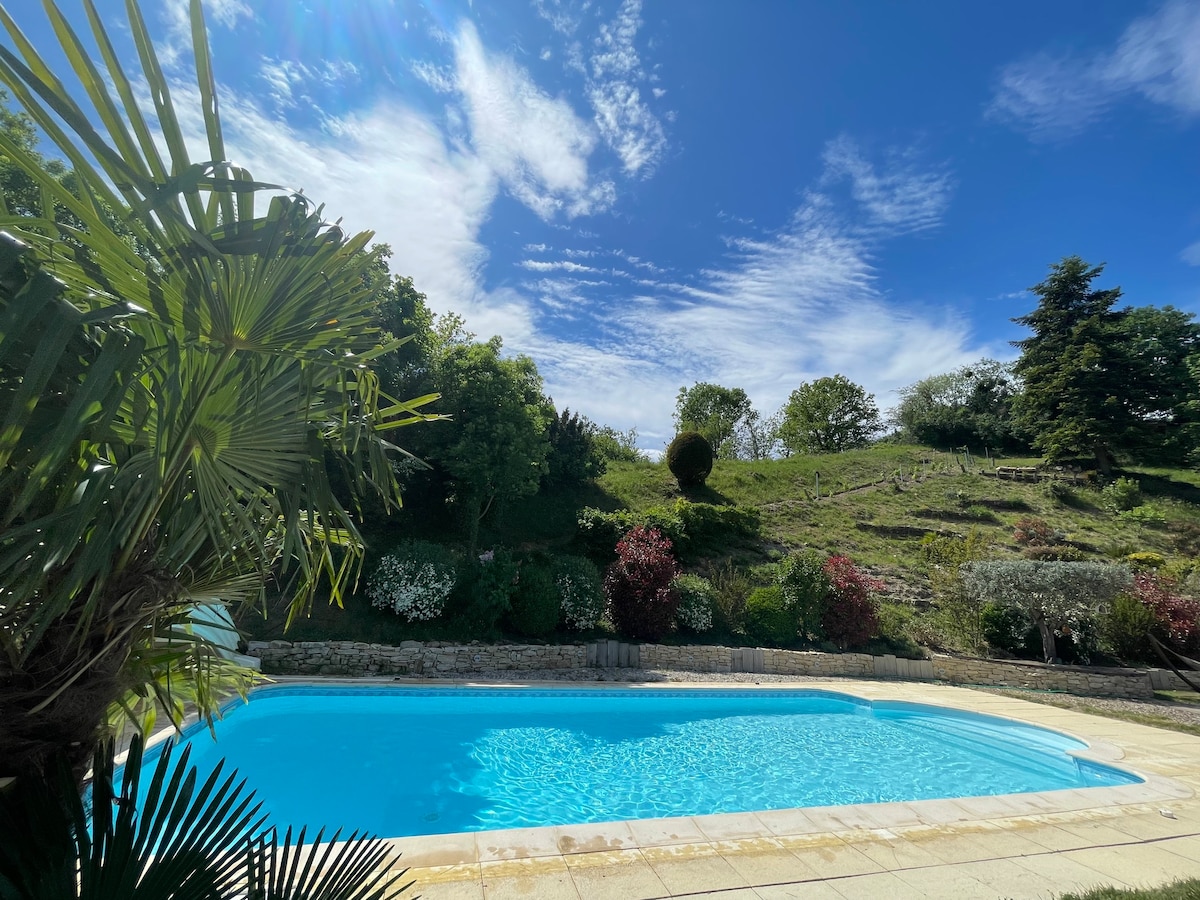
column 1016, row 846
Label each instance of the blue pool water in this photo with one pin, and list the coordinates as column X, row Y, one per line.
column 400, row 761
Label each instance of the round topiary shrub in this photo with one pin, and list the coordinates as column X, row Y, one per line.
column 690, row 459
column 769, row 617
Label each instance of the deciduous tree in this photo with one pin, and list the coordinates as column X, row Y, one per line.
column 971, row 406
column 495, row 446
column 828, row 415
column 719, row 413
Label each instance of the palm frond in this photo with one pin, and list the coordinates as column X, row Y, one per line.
column 176, row 837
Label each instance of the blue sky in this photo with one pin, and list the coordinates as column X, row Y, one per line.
column 641, row 196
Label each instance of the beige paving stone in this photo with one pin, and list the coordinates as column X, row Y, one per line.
column 604, row 859
column 697, row 874
column 1140, row 866
column 592, row 837
column 516, row 843
column 678, row 852
column 881, row 886
column 443, row 874
column 631, row 879
column 1098, row 833
column 895, row 853
column 943, row 882
column 437, row 849
column 801, row 890
column 789, row 821
column 730, row 826
column 942, row 812
column 833, row 860
column 870, row 816
column 994, row 844
column 736, row 894
column 1015, row 880
column 1055, row 871
column 450, row 890
column 659, row 832
column 769, row 866
column 1055, row 837
column 528, row 879
column 1187, row 847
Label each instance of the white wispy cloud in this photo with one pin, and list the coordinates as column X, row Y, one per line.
column 1191, row 254
column 778, row 309
column 440, row 78
column 626, row 122
column 903, row 197
column 535, row 143
column 285, row 77
column 564, row 17
column 1053, row 96
column 561, row 265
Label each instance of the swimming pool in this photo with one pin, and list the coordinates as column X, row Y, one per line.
column 403, row 761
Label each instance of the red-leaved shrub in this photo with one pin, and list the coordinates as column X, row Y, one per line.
column 638, row 585
column 850, row 618
column 1033, row 532
column 1178, row 616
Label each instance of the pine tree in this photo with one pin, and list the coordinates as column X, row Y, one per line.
column 1100, row 382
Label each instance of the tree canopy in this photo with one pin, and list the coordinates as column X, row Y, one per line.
column 720, row 414
column 496, row 444
column 1050, row 593
column 971, row 406
column 1100, row 382
column 827, row 416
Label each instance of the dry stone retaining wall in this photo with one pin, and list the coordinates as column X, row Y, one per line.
column 435, row 658
column 409, row 658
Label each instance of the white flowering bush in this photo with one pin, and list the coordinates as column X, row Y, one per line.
column 580, row 591
column 413, row 581
column 696, row 598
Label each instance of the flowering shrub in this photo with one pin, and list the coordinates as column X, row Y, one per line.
column 850, row 617
column 1145, row 559
column 1033, row 532
column 696, row 597
column 414, row 581
column 638, row 585
column 580, row 592
column 1177, row 617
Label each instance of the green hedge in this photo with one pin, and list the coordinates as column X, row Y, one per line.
column 687, row 525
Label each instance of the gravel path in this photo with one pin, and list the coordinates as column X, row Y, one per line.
column 1188, row 714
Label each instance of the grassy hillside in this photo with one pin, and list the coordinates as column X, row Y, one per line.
column 874, row 505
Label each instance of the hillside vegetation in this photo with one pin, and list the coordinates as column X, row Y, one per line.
column 874, row 505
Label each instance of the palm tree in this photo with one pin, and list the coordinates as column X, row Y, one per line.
column 181, row 349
